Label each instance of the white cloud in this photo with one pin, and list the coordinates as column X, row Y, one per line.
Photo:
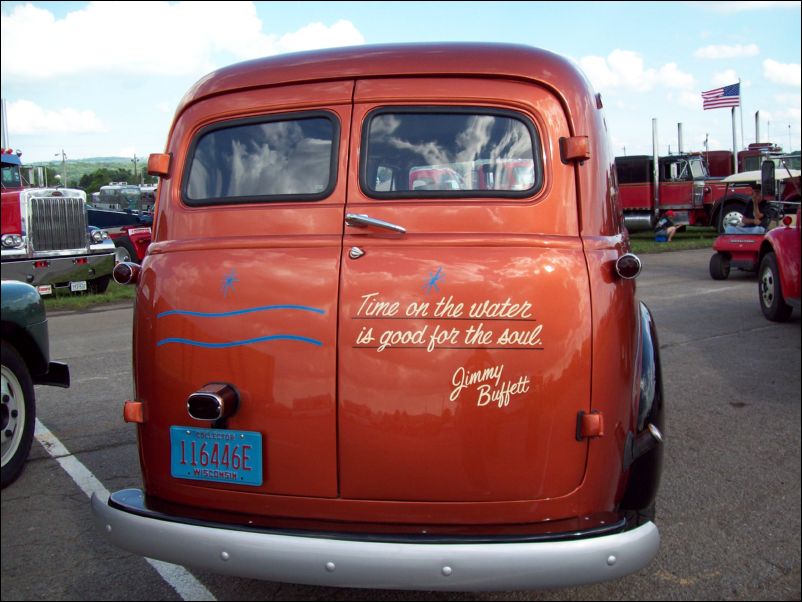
column 722, row 51
column 725, row 78
column 671, row 77
column 625, row 69
column 690, row 100
column 26, row 117
column 779, row 73
column 183, row 38
column 317, row 35
column 789, row 99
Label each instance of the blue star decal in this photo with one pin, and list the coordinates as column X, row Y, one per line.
column 228, row 283
column 433, row 280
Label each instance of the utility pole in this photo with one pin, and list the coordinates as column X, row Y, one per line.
column 134, row 161
column 63, row 166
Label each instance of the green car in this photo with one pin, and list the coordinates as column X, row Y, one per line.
column 25, row 362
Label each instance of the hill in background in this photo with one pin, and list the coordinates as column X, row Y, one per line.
column 78, row 169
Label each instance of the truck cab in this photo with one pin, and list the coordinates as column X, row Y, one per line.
column 680, row 188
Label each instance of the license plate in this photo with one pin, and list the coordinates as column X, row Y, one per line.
column 217, row 455
column 80, row 285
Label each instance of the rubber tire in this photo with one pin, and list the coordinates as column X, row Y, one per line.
column 719, row 266
column 98, row 286
column 23, row 397
column 770, row 293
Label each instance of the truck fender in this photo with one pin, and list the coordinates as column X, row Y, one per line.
column 643, row 453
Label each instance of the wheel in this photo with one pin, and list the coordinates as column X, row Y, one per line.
column 18, row 413
column 731, row 211
column 98, row 286
column 770, row 291
column 719, row 266
column 124, row 252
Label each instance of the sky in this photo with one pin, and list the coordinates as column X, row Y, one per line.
column 97, row 79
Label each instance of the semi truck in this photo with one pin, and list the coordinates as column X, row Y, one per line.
column 684, row 186
column 46, row 238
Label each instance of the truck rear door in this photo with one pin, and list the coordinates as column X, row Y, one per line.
column 241, row 288
column 464, row 340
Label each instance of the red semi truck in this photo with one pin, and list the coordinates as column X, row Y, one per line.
column 46, row 238
column 684, row 186
column 719, row 162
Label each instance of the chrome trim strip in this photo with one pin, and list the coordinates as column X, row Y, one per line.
column 348, row 563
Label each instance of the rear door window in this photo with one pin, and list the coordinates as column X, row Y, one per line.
column 273, row 159
column 448, row 152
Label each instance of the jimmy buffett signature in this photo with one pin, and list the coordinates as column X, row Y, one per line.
column 489, row 386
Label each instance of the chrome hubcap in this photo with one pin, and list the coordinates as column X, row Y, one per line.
column 767, row 287
column 122, row 255
column 733, row 216
column 12, row 414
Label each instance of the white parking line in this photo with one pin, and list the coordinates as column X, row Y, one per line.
column 177, row 577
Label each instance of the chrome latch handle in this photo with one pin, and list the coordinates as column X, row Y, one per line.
column 360, row 220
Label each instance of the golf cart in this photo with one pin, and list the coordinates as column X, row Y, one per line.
column 780, row 191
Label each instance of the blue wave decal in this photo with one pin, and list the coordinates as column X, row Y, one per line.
column 239, row 312
column 276, row 337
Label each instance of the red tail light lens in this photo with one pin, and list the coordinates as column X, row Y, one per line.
column 628, row 266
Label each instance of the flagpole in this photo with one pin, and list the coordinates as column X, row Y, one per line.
column 741, row 105
column 734, row 144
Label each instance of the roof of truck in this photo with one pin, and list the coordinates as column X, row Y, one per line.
column 454, row 59
column 11, row 158
column 755, row 175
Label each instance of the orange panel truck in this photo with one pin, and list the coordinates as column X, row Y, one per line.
column 387, row 333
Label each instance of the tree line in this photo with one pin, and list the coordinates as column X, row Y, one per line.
column 89, row 181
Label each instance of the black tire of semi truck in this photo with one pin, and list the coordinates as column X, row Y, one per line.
column 98, row 286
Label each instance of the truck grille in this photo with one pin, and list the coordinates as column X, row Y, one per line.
column 57, row 223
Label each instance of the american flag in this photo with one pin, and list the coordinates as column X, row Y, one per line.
column 728, row 96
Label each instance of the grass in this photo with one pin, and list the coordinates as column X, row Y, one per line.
column 694, row 237
column 66, row 301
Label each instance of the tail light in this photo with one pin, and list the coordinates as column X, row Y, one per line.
column 126, row 273
column 628, row 266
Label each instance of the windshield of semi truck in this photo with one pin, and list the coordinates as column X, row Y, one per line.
column 698, row 169
column 11, row 177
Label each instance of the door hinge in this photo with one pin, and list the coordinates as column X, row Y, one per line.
column 589, row 425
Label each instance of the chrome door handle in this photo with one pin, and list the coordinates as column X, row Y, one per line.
column 360, row 220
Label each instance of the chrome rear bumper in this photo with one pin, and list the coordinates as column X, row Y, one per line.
column 314, row 560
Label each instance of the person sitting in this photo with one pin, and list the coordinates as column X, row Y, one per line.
column 665, row 229
column 755, row 220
